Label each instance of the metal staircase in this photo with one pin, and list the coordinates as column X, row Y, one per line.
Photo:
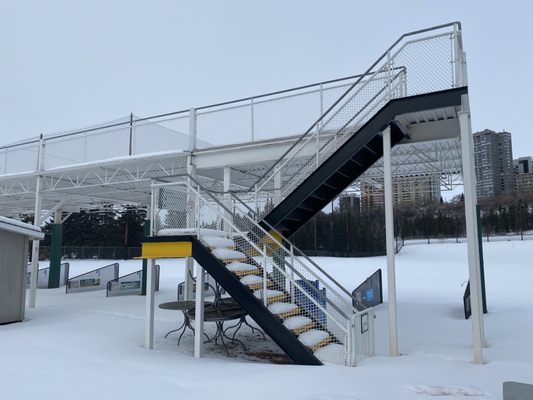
column 419, row 73
column 305, row 310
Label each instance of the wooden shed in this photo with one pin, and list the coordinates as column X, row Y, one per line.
column 14, row 238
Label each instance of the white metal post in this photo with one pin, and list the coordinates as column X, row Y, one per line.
column 199, row 313
column 389, row 238
column 228, row 219
column 188, row 293
column 293, row 291
column 277, row 184
column 469, row 180
column 264, row 266
column 150, row 296
column 36, row 223
column 351, row 360
column 371, row 333
column 389, row 76
column 191, row 214
column 252, row 119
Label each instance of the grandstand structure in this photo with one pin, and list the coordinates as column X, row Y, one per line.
column 278, row 158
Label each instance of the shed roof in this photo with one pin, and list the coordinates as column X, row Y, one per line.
column 11, row 225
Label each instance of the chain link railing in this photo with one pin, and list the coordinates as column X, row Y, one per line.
column 313, row 305
column 267, row 116
column 419, row 62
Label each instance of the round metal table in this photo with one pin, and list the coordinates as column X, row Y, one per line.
column 182, row 306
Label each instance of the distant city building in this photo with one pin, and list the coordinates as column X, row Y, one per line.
column 523, row 169
column 349, row 202
column 494, row 163
column 523, row 165
column 408, row 190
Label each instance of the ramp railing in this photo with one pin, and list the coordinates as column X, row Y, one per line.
column 43, row 275
column 129, row 284
column 93, row 280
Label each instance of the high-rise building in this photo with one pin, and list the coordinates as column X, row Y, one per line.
column 523, row 165
column 349, row 202
column 407, row 190
column 523, row 168
column 494, row 163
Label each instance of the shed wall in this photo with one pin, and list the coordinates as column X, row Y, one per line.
column 13, row 254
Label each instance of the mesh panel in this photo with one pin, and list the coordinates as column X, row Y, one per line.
column 311, row 304
column 93, row 280
column 16, row 159
column 415, row 66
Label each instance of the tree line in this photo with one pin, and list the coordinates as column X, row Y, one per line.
column 345, row 231
column 342, row 231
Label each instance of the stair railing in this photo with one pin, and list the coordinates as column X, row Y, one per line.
column 288, row 274
column 423, row 60
column 294, row 251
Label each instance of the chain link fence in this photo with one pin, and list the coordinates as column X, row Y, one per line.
column 92, row 252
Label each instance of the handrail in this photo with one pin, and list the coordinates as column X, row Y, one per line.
column 261, row 239
column 368, row 71
column 157, row 116
column 298, row 250
column 94, row 270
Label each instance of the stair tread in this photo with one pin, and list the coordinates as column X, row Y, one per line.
column 313, row 337
column 190, row 231
column 252, row 280
column 228, row 254
column 332, row 352
column 218, row 242
column 297, row 322
column 238, row 266
column 282, row 307
column 269, row 293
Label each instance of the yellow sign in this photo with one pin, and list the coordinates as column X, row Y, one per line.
column 166, row 250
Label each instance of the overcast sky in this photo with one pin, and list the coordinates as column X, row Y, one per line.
column 70, row 64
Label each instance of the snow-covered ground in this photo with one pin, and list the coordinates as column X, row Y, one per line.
column 87, row 346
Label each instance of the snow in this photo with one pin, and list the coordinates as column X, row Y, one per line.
column 296, row 322
column 227, row 254
column 190, row 231
column 331, row 352
column 217, row 241
column 240, row 267
column 86, row 346
column 281, row 307
column 313, row 337
column 251, row 280
column 269, row 293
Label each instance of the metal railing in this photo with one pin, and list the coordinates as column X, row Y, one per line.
column 266, row 116
column 43, row 275
column 130, row 284
column 419, row 62
column 182, row 205
column 93, row 280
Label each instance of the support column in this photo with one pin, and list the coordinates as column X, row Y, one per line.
column 277, row 184
column 150, row 296
column 36, row 223
column 199, row 313
column 146, row 232
column 389, row 239
column 470, row 195
column 54, row 278
column 191, row 170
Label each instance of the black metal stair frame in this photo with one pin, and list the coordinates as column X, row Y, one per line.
column 348, row 162
column 270, row 323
